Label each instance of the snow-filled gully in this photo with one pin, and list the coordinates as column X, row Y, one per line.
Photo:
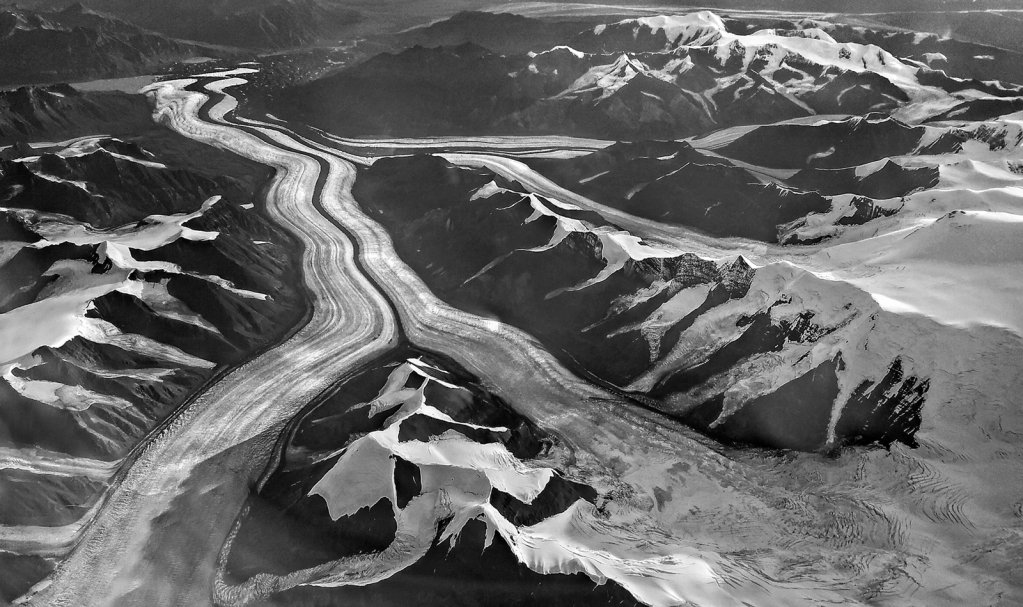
column 154, row 537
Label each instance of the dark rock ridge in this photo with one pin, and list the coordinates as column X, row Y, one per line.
column 121, row 191
column 130, row 391
column 21, row 573
column 837, row 144
column 124, row 392
column 77, row 44
column 674, row 183
column 503, row 33
column 958, row 58
column 419, row 91
column 59, row 112
column 890, row 180
column 980, row 109
column 118, row 190
column 621, row 328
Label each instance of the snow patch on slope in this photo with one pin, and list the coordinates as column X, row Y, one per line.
column 458, row 476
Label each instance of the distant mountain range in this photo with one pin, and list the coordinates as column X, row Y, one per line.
column 77, row 44
column 261, row 24
column 658, row 77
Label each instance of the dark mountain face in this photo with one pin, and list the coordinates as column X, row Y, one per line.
column 836, row 144
column 890, row 180
column 981, row 109
column 120, row 184
column 76, row 44
column 60, row 111
column 265, row 24
column 549, row 272
column 503, row 33
column 418, row 91
column 672, row 182
column 762, row 349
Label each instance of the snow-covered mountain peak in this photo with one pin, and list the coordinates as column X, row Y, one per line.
column 695, row 29
column 768, row 50
column 610, row 78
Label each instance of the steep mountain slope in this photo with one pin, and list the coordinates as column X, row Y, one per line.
column 881, row 179
column 958, row 58
column 418, row 91
column 264, row 24
column 842, row 143
column 75, row 44
column 57, row 112
column 672, row 182
column 797, row 335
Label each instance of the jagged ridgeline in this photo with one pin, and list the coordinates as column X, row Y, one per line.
column 646, row 78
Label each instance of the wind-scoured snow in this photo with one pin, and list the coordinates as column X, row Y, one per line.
column 962, row 269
